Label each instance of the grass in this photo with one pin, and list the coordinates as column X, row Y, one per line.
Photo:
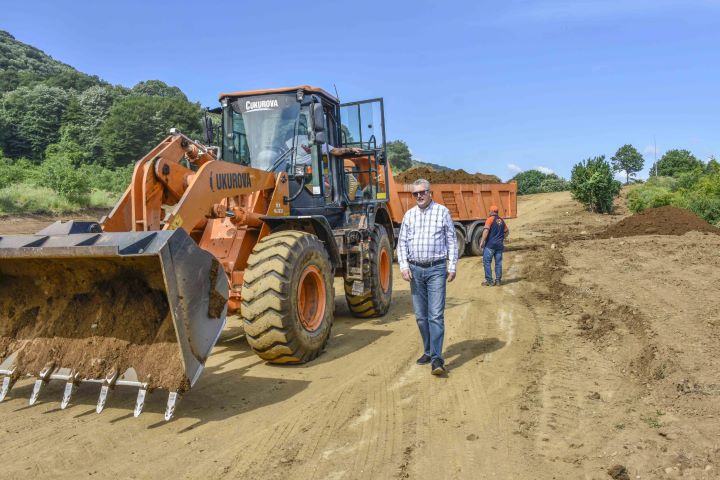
column 653, row 420
column 660, row 372
column 24, row 198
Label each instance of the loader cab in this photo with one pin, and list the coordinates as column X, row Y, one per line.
column 294, row 130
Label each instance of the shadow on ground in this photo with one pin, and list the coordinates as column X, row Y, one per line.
column 462, row 352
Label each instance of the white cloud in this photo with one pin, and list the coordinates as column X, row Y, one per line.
column 545, row 170
column 514, row 168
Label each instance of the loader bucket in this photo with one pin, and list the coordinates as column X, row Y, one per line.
column 140, row 309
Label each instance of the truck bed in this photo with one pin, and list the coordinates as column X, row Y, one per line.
column 467, row 202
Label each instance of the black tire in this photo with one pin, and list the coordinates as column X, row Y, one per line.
column 460, row 236
column 272, row 310
column 475, row 243
column 377, row 295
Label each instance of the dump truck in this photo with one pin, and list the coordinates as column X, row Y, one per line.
column 296, row 191
column 469, row 206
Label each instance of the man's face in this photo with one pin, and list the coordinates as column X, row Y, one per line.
column 422, row 195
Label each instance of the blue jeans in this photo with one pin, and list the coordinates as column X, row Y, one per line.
column 428, row 293
column 488, row 255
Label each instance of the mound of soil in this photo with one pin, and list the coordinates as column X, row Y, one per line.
column 444, row 176
column 93, row 316
column 659, row 221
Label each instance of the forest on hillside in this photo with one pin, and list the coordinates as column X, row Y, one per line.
column 67, row 139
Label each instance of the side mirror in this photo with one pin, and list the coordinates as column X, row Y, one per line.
column 207, row 129
column 318, row 118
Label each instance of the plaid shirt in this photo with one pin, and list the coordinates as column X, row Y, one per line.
column 427, row 235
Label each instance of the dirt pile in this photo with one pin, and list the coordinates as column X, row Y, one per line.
column 659, row 221
column 444, row 176
column 94, row 316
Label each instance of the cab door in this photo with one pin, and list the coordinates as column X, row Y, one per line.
column 363, row 126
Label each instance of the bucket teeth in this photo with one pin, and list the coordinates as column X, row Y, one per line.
column 140, row 403
column 36, row 391
column 43, row 378
column 102, row 399
column 69, row 389
column 7, row 384
column 170, row 409
column 109, row 383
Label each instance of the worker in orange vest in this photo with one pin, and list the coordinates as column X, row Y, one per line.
column 492, row 243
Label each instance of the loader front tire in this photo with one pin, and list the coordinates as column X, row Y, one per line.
column 288, row 297
column 377, row 295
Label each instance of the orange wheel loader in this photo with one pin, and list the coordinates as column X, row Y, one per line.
column 294, row 195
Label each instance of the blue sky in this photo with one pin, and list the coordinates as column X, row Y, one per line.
column 495, row 87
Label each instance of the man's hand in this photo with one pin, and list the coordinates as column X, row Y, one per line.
column 407, row 275
column 450, row 276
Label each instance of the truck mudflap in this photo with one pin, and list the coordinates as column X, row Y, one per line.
column 136, row 309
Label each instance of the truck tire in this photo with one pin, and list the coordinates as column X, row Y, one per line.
column 377, row 295
column 288, row 297
column 475, row 243
column 460, row 236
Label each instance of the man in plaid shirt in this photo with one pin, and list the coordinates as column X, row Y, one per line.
column 427, row 254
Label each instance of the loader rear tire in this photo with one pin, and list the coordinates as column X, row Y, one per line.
column 377, row 295
column 288, row 297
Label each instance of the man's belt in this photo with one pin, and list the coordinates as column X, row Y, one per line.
column 431, row 263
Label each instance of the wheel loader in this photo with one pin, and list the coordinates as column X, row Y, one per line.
column 292, row 195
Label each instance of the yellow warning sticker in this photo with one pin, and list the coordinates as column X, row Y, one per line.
column 381, row 195
column 176, row 223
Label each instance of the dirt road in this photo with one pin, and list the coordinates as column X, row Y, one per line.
column 568, row 370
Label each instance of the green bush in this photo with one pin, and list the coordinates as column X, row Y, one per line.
column 664, row 182
column 648, row 196
column 111, row 180
column 705, row 206
column 593, row 185
column 700, row 195
column 59, row 174
column 12, row 172
column 688, row 180
column 554, row 184
column 535, row 181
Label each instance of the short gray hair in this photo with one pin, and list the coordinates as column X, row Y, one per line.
column 422, row 181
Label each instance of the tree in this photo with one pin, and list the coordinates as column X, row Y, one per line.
column 713, row 166
column 32, row 117
column 593, row 185
column 93, row 106
column 675, row 162
column 136, row 124
column 529, row 181
column 399, row 156
column 157, row 88
column 627, row 159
